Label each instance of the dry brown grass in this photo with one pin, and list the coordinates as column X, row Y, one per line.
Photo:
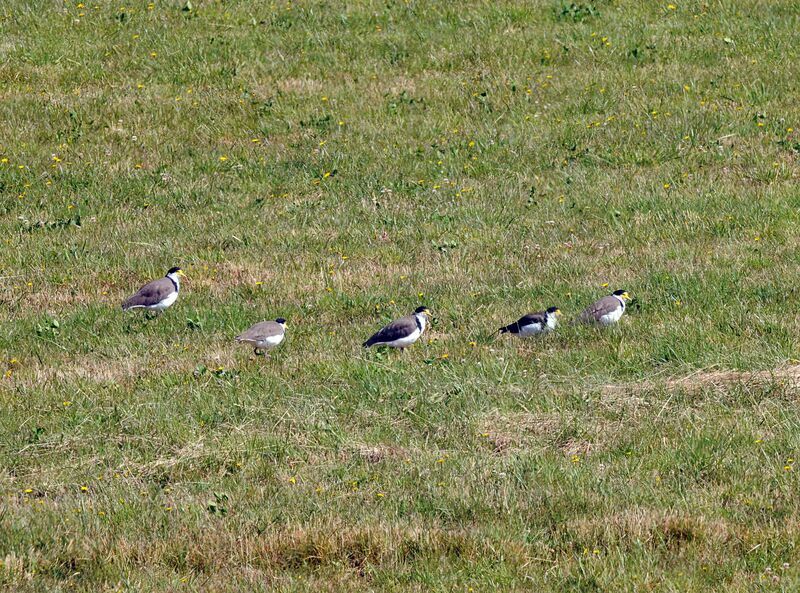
column 787, row 376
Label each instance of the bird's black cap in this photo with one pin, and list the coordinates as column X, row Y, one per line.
column 422, row 309
column 552, row 310
column 620, row 292
column 280, row 320
column 174, row 270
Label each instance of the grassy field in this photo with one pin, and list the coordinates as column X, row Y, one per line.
column 339, row 164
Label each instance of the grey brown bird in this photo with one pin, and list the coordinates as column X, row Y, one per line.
column 606, row 311
column 534, row 324
column 264, row 335
column 158, row 294
column 402, row 332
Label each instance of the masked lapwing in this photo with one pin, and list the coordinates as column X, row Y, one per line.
column 606, row 311
column 158, row 294
column 402, row 332
column 264, row 336
column 534, row 324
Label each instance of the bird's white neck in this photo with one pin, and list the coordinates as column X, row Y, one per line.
column 176, row 279
column 620, row 299
column 422, row 320
column 552, row 320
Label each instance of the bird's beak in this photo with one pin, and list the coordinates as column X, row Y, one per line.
column 626, row 296
column 558, row 313
column 181, row 273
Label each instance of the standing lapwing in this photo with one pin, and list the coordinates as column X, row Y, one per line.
column 606, row 311
column 534, row 324
column 402, row 332
column 158, row 294
column 264, row 335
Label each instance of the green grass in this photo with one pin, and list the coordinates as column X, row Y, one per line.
column 339, row 164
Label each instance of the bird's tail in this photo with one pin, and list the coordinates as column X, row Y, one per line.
column 367, row 344
column 505, row 329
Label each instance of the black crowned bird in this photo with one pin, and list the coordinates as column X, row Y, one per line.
column 402, row 332
column 158, row 294
column 606, row 311
column 264, row 335
column 534, row 324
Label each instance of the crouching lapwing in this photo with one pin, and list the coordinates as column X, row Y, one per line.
column 158, row 294
column 264, row 336
column 606, row 311
column 534, row 324
column 402, row 332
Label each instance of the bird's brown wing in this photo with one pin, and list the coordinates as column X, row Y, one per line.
column 397, row 329
column 532, row 318
column 150, row 294
column 595, row 311
column 261, row 331
column 528, row 319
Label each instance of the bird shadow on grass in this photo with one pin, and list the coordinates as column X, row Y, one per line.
column 134, row 324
